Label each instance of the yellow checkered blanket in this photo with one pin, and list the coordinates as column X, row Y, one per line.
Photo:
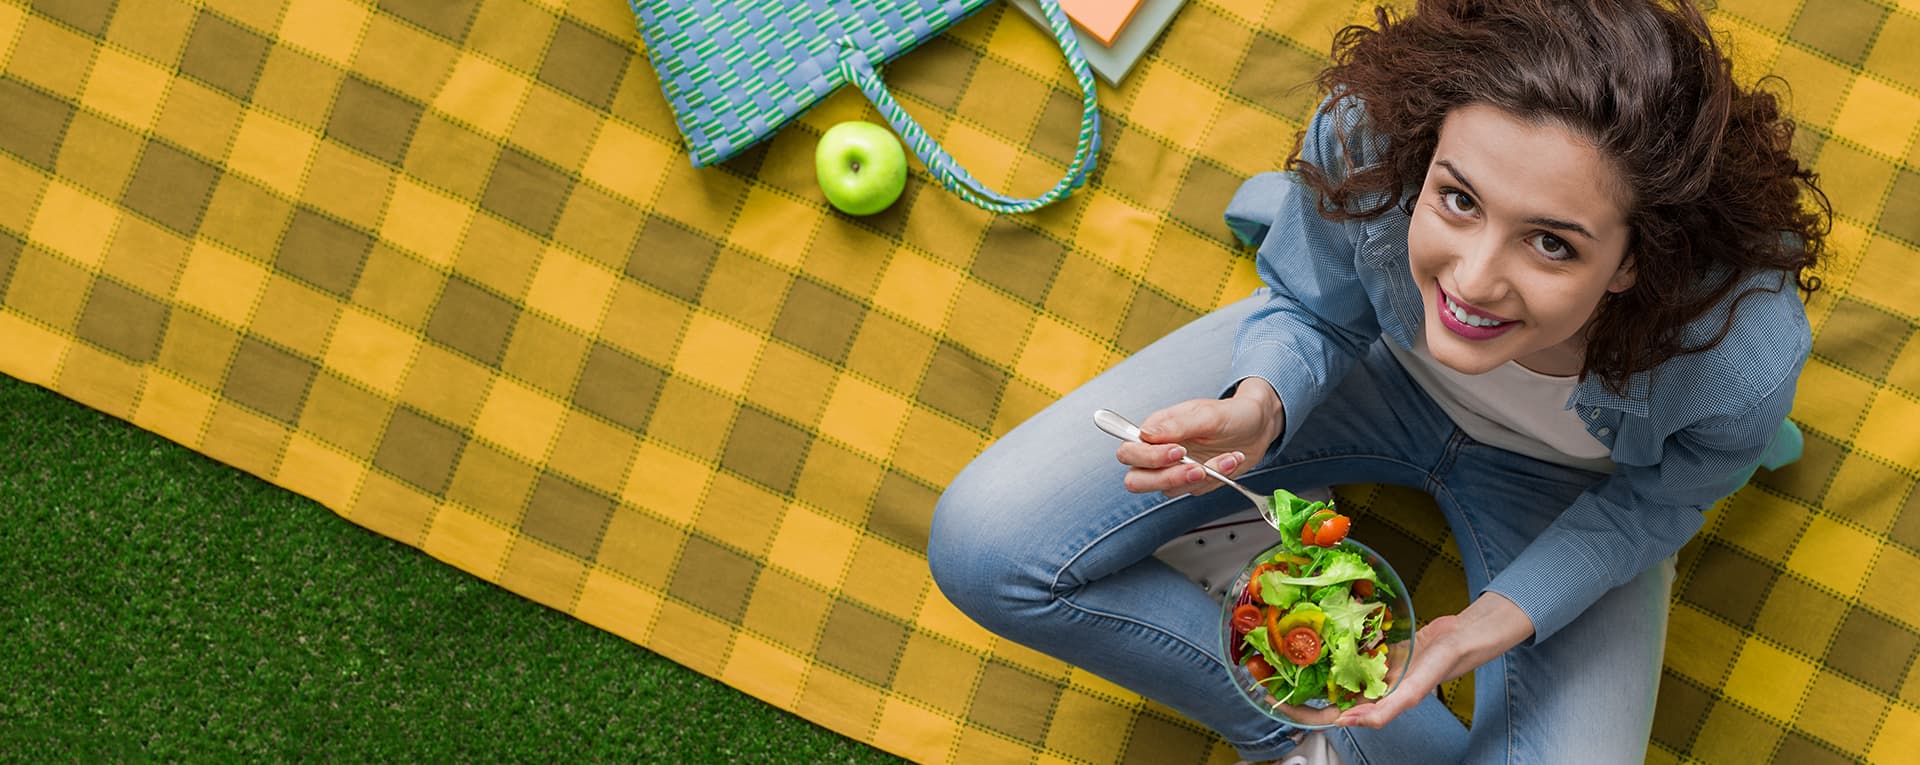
column 444, row 268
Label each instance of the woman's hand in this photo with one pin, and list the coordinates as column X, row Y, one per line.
column 1450, row 646
column 1219, row 432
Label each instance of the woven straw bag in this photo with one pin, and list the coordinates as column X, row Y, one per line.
column 735, row 71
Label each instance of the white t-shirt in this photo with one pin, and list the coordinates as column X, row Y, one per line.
column 1509, row 406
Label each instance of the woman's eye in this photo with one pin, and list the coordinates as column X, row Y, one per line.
column 1458, row 202
column 1552, row 246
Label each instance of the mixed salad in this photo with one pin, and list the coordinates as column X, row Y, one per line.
column 1313, row 625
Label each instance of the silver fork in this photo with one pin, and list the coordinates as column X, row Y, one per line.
column 1111, row 423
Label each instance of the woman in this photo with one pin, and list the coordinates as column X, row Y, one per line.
column 1540, row 259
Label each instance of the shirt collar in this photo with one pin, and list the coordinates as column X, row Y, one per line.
column 1635, row 400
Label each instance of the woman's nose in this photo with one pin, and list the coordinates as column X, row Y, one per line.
column 1477, row 273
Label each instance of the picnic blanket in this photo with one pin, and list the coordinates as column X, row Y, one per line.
column 444, row 267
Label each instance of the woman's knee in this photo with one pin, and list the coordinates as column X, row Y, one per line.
column 960, row 546
column 975, row 547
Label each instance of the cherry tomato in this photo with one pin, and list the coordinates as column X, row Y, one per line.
column 1253, row 582
column 1258, row 667
column 1306, row 535
column 1331, row 532
column 1362, row 589
column 1245, row 618
column 1301, row 646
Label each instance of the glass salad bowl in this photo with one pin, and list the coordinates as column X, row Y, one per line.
column 1346, row 627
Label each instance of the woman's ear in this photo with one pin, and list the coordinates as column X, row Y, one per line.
column 1622, row 277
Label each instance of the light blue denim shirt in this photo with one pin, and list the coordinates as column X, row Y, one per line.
column 1683, row 435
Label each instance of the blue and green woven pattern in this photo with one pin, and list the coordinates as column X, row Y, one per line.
column 445, row 267
column 735, row 71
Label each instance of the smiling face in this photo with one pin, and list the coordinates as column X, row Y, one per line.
column 1519, row 231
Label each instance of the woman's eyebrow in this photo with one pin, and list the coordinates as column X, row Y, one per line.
column 1552, row 223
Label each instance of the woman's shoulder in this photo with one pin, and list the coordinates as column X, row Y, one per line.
column 1340, row 137
column 1765, row 344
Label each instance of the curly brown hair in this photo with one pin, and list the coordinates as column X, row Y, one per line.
column 1715, row 193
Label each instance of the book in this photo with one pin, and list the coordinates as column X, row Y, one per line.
column 1101, row 18
column 1112, row 62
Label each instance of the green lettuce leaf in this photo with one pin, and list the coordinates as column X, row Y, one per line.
column 1346, row 615
column 1257, row 640
column 1290, row 513
column 1339, row 567
column 1279, row 593
column 1357, row 672
column 1312, row 684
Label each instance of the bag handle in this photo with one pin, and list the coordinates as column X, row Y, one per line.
column 857, row 69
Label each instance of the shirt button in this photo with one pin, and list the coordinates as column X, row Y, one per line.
column 1606, row 431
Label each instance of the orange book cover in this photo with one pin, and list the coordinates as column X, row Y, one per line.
column 1101, row 18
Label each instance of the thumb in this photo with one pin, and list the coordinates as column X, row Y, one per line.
column 1185, row 421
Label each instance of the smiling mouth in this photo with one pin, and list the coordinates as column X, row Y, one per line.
column 1467, row 317
column 1470, row 323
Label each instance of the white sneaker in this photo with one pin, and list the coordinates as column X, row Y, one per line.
column 1213, row 555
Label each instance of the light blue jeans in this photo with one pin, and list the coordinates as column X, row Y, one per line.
column 1038, row 541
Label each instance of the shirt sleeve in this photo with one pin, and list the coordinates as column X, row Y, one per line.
column 1638, row 516
column 1316, row 319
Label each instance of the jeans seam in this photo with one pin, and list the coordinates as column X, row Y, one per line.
column 1355, row 745
column 1149, row 627
column 1466, row 520
column 1053, row 588
column 1325, row 457
column 1055, row 592
column 1507, row 678
column 1286, row 732
column 1479, row 551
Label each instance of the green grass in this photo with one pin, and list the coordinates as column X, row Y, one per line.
column 159, row 605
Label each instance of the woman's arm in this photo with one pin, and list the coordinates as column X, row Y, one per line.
column 1634, row 519
column 1317, row 319
column 1638, row 516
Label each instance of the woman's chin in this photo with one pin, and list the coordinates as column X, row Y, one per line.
column 1466, row 361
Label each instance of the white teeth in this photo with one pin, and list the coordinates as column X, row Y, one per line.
column 1470, row 319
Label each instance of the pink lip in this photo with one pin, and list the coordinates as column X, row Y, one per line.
column 1468, row 331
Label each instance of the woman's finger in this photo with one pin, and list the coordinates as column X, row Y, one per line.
column 1421, row 679
column 1176, row 478
column 1378, row 713
column 1151, row 456
column 1228, row 464
column 1172, row 481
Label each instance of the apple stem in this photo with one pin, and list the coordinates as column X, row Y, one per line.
column 856, row 166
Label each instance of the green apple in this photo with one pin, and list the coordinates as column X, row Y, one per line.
column 861, row 167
